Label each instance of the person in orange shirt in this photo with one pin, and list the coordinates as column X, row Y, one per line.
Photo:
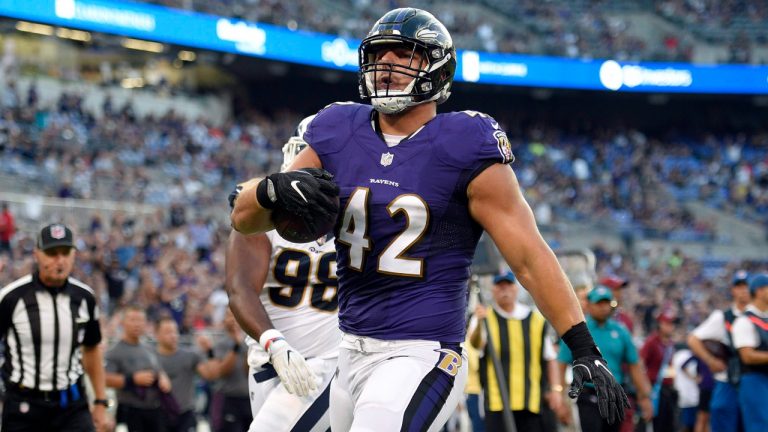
column 7, row 230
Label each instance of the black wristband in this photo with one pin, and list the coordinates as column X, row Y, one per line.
column 128, row 383
column 103, row 402
column 210, row 354
column 236, row 348
column 262, row 196
column 579, row 341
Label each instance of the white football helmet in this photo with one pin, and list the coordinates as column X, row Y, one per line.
column 295, row 143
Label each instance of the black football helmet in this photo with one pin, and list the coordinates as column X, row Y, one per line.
column 419, row 31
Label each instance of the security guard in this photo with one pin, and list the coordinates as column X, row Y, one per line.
column 725, row 415
column 49, row 322
column 520, row 340
column 750, row 338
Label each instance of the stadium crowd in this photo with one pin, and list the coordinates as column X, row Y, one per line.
column 615, row 174
column 594, row 29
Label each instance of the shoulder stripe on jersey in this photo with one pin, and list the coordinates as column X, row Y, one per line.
column 74, row 306
column 33, row 313
column 19, row 355
column 15, row 284
column 56, row 336
column 81, row 284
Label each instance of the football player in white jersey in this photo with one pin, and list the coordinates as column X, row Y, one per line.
column 283, row 294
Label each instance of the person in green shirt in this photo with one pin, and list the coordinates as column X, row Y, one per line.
column 615, row 343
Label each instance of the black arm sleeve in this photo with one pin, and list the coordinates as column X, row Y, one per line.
column 92, row 327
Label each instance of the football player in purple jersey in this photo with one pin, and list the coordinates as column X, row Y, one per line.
column 416, row 190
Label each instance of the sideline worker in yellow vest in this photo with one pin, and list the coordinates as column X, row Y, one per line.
column 527, row 355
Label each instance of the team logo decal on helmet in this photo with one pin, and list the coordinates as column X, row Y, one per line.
column 431, row 80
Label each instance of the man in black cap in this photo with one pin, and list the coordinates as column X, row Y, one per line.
column 49, row 322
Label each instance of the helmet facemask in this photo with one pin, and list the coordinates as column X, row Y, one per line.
column 296, row 143
column 291, row 149
column 423, row 71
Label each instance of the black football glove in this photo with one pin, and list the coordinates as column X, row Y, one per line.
column 590, row 366
column 309, row 193
column 611, row 399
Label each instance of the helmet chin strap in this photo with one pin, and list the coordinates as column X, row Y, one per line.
column 399, row 101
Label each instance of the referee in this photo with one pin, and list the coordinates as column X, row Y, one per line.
column 45, row 318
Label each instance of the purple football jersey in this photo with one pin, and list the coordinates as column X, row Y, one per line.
column 405, row 239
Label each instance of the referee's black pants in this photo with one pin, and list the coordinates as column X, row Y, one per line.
column 24, row 413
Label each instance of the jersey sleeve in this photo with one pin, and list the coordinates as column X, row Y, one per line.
column 712, row 328
column 6, row 313
column 331, row 128
column 494, row 143
column 92, row 335
column 474, row 141
column 744, row 333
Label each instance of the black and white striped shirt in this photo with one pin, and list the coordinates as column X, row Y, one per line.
column 43, row 329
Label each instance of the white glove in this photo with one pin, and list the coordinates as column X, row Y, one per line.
column 257, row 357
column 290, row 365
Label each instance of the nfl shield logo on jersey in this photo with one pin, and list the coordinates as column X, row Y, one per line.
column 386, row 159
column 58, row 232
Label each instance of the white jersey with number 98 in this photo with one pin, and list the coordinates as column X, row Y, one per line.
column 300, row 297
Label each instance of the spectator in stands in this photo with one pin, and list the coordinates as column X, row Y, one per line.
column 202, row 238
column 115, row 278
column 7, row 230
column 135, row 371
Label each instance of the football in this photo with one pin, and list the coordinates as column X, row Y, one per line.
column 293, row 228
column 716, row 348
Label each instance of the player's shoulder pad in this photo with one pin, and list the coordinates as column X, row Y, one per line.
column 331, row 128
column 472, row 137
column 303, row 125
